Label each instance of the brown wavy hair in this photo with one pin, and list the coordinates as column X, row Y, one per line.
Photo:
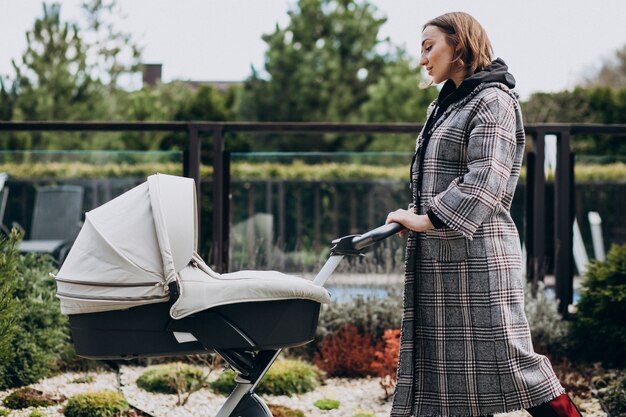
column 468, row 38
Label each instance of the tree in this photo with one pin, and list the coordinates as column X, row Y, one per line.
column 112, row 52
column 318, row 67
column 612, row 73
column 70, row 72
column 397, row 98
column 582, row 105
column 52, row 81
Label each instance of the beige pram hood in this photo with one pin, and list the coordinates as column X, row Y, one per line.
column 130, row 249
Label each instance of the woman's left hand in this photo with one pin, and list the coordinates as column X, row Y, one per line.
column 410, row 220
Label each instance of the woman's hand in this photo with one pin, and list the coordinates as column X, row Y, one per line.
column 410, row 220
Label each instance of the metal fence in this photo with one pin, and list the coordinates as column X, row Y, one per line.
column 535, row 200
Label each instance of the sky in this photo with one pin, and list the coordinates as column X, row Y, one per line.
column 549, row 45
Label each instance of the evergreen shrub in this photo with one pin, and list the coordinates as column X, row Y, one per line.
column 599, row 331
column 4, row 412
column 8, row 304
column 285, row 377
column 41, row 330
column 172, row 378
column 97, row 404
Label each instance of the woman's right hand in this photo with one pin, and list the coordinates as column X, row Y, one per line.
column 410, row 220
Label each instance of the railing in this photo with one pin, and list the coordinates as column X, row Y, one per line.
column 534, row 226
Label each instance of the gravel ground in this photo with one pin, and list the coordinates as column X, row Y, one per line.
column 355, row 395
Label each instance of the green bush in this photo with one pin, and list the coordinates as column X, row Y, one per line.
column 8, row 304
column 37, row 413
column 326, row 404
column 599, row 331
column 42, row 331
column 172, row 378
column 4, row 412
column 548, row 329
column 285, row 377
column 282, row 411
column 28, row 397
column 97, row 404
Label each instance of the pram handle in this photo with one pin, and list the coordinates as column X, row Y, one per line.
column 373, row 236
column 354, row 244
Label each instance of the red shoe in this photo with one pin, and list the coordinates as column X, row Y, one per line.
column 561, row 406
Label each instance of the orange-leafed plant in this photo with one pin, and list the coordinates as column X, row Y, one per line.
column 347, row 353
column 385, row 363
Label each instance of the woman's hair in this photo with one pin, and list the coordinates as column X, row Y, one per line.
column 467, row 37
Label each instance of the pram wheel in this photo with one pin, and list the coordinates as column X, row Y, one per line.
column 251, row 406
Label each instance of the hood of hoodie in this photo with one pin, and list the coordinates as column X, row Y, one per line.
column 498, row 72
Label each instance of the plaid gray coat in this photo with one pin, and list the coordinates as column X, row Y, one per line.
column 465, row 346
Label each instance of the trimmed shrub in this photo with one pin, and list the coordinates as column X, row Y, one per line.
column 599, row 331
column 285, row 377
column 42, row 331
column 29, row 397
column 326, row 404
column 548, row 329
column 282, row 411
column 347, row 353
column 97, row 404
column 172, row 378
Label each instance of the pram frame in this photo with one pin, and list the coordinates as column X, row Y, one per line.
column 249, row 354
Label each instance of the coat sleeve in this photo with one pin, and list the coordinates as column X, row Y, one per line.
column 470, row 199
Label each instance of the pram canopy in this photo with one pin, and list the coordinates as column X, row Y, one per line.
column 130, row 249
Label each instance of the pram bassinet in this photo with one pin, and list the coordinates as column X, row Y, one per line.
column 134, row 286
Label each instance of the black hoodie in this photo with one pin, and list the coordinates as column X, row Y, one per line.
column 498, row 71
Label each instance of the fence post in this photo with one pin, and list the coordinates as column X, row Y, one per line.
column 529, row 204
column 563, row 221
column 538, row 267
column 220, row 200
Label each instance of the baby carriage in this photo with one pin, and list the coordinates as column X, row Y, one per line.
column 134, row 286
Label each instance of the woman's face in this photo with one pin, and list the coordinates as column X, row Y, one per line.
column 437, row 56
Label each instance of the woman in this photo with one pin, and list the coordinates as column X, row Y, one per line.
column 466, row 348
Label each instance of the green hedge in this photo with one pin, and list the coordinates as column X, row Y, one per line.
column 265, row 170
